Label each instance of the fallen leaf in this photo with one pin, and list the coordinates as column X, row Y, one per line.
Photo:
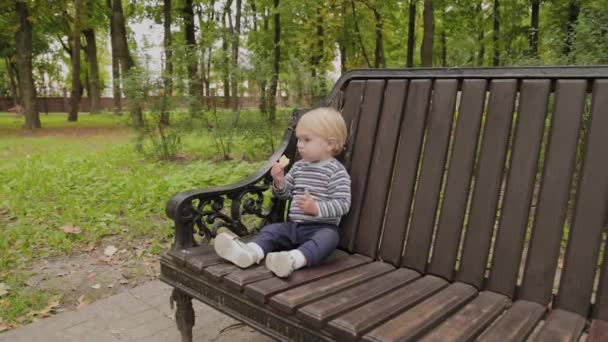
column 91, row 275
column 47, row 310
column 104, row 261
column 70, row 229
column 62, row 274
column 4, row 289
column 82, row 302
column 96, row 286
column 110, row 250
column 123, row 281
column 110, row 286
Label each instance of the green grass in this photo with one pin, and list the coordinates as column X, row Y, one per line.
column 88, row 174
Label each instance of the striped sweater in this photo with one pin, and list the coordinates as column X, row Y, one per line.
column 328, row 183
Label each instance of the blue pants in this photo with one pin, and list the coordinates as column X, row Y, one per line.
column 315, row 240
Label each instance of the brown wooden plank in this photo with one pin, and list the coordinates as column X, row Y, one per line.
column 561, row 326
column 433, row 161
column 261, row 291
column 199, row 262
column 469, row 322
column 546, row 237
column 487, row 184
column 534, row 96
column 381, row 168
column 241, row 277
column 598, row 331
column 217, row 272
column 459, row 178
column 288, row 301
column 319, row 312
column 516, row 324
column 182, row 255
column 580, row 262
column 413, row 323
column 357, row 322
column 600, row 308
column 365, row 138
column 404, row 174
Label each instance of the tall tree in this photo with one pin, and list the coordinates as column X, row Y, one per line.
column 23, row 40
column 192, row 60
column 428, row 37
column 226, row 34
column 91, row 54
column 234, row 82
column 496, row 34
column 116, row 93
column 318, row 79
column 168, row 72
column 274, row 81
column 358, row 33
column 75, row 93
column 534, row 27
column 481, row 33
column 411, row 30
column 573, row 11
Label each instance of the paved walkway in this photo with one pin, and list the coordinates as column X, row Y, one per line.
column 139, row 314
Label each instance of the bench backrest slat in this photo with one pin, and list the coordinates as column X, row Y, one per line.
column 439, row 124
column 361, row 156
column 600, row 309
column 456, row 193
column 534, row 95
column 590, row 211
column 546, row 237
column 488, row 182
column 381, row 168
column 405, row 168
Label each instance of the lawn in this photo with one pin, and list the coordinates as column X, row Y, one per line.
column 71, row 185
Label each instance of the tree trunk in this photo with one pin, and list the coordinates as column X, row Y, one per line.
column 481, row 36
column 318, row 79
column 116, row 93
column 428, row 37
column 126, row 62
column 192, row 60
column 573, row 11
column 358, row 32
column 411, row 39
column 91, row 52
column 274, row 81
column 226, row 60
column 263, row 83
column 168, row 74
column 76, row 93
column 496, row 34
column 379, row 50
column 23, row 40
column 342, row 40
column 234, row 82
column 13, row 81
column 534, row 22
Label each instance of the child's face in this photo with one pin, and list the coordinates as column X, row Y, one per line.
column 313, row 147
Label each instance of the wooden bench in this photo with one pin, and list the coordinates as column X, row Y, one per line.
column 478, row 212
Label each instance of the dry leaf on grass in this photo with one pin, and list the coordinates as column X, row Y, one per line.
column 96, row 286
column 104, row 261
column 110, row 250
column 48, row 310
column 82, row 302
column 70, row 229
column 4, row 289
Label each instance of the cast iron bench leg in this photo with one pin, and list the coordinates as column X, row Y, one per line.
column 184, row 315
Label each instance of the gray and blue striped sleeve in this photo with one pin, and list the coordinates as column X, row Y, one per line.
column 339, row 190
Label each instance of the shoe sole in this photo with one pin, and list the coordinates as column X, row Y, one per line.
column 227, row 248
column 279, row 265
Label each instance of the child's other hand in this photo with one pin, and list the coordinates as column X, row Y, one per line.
column 278, row 175
column 307, row 204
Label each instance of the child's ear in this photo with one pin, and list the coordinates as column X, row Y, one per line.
column 332, row 144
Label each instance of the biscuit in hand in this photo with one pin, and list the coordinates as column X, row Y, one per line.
column 283, row 161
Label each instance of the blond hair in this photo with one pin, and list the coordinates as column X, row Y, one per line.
column 327, row 123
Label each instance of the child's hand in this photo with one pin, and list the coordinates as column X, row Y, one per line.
column 307, row 204
column 278, row 175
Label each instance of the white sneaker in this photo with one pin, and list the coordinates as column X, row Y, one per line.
column 230, row 248
column 280, row 263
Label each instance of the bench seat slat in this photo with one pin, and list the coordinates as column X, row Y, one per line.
column 319, row 312
column 261, row 291
column 487, row 182
column 561, row 326
column 406, row 166
column 217, row 272
column 183, row 255
column 426, row 198
column 289, row 300
column 413, row 323
column 516, row 324
column 598, row 331
column 241, row 277
column 470, row 321
column 459, row 178
column 354, row 323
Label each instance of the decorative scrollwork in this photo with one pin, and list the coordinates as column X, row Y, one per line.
column 209, row 214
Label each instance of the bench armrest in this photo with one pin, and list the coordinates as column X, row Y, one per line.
column 205, row 208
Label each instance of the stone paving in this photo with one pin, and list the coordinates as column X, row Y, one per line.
column 138, row 314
